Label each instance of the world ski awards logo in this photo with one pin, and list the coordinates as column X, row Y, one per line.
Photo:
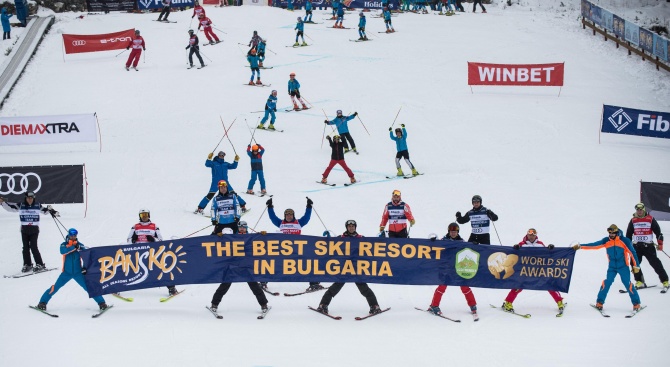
column 134, row 264
column 501, row 263
column 467, row 263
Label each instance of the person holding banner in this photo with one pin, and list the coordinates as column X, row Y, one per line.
column 481, row 221
column 194, row 48
column 165, row 11
column 29, row 215
column 219, row 169
column 396, row 213
column 138, row 45
column 531, row 240
column 641, row 230
column 335, row 288
column 224, row 210
column 620, row 252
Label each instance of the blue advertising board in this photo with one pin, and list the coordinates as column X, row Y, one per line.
column 157, row 4
column 630, row 121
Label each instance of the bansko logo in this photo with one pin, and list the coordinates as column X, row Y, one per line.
column 467, row 263
column 79, row 43
column 620, row 119
column 501, row 263
column 32, row 129
column 137, row 263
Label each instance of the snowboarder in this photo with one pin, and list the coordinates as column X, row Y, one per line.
column 335, row 288
column 361, row 27
column 197, row 10
column 620, row 252
column 194, row 48
column 72, row 269
column 138, row 46
column 29, row 215
column 337, row 157
column 452, row 236
column 260, row 51
column 400, row 139
column 397, row 213
column 270, row 109
column 224, row 210
column 206, row 25
column 6, row 27
column 308, row 11
column 641, row 230
column 256, row 154
column 165, row 11
column 342, row 125
column 252, row 58
column 294, row 92
column 219, row 169
column 300, row 27
column 480, row 219
column 387, row 21
column 531, row 240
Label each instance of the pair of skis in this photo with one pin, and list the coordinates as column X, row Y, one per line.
column 270, row 130
column 331, row 185
column 475, row 317
column 162, row 299
column 296, row 110
column 29, row 273
column 357, row 318
column 405, row 176
column 630, row 315
column 263, row 314
column 257, row 85
column 96, row 315
column 663, row 291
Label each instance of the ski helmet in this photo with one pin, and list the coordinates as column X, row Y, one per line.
column 255, row 33
column 289, row 211
column 350, row 222
column 299, row 19
column 221, row 153
column 336, row 137
column 242, row 224
column 292, row 74
column 477, row 198
column 137, row 31
column 144, row 211
column 398, row 130
column 72, row 232
column 274, row 92
column 255, row 147
column 454, row 227
column 223, row 183
column 640, row 206
column 339, row 112
column 253, row 51
column 360, row 14
column 30, row 194
column 190, row 31
column 395, row 192
column 227, row 231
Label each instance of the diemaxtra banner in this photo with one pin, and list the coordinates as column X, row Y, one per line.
column 297, row 258
column 78, row 43
column 56, row 129
column 516, row 74
column 629, row 121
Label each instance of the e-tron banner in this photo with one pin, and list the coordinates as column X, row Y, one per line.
column 78, row 43
column 57, row 129
column 158, row 4
column 51, row 184
column 295, row 258
column 629, row 121
column 110, row 5
column 656, row 198
column 516, row 74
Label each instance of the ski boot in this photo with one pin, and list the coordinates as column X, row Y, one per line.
column 39, row 267
column 435, row 310
column 353, row 180
column 295, row 107
column 214, row 307
column 507, row 306
column 296, row 44
column 322, row 308
column 258, row 81
column 640, row 284
column 303, row 43
column 375, row 310
column 414, row 172
column 561, row 305
column 173, row 290
column 324, row 180
column 400, row 173
column 127, row 68
column 260, row 126
column 599, row 306
column 103, row 306
column 304, row 106
column 315, row 287
column 198, row 211
column 251, row 192
column 42, row 306
column 251, row 82
column 271, row 127
column 265, row 192
column 26, row 268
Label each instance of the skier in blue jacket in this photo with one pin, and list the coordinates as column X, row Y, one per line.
column 300, row 28
column 260, row 51
column 219, row 169
column 294, row 92
column 72, row 269
column 341, row 123
column 620, row 253
column 308, row 11
column 340, row 16
column 6, row 27
column 361, row 27
column 256, row 154
column 400, row 139
column 387, row 21
column 252, row 58
column 224, row 210
column 270, row 109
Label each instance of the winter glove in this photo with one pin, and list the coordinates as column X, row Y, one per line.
column 210, row 155
column 127, row 48
column 274, row 109
column 151, row 239
column 402, row 125
column 660, row 245
column 237, row 158
column 266, row 107
column 391, row 128
column 382, row 234
column 411, row 222
column 264, row 233
column 576, row 247
column 433, row 238
column 355, row 113
column 325, row 122
column 382, row 228
column 516, row 247
column 458, row 215
column 489, row 213
column 220, row 234
column 551, row 247
column 309, row 202
column 83, row 271
column 214, row 222
column 636, row 269
column 187, row 47
column 269, row 203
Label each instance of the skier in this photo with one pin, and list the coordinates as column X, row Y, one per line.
column 138, row 45
column 260, row 51
column 336, row 5
column 72, row 269
column 335, row 288
column 361, row 27
column 270, row 109
column 396, row 213
column 342, row 125
column 289, row 5
column 452, row 236
column 387, row 21
column 224, row 287
column 641, row 230
column 146, row 231
column 620, row 252
column 291, row 225
column 242, row 227
column 337, row 157
column 308, row 11
column 459, row 6
column 256, row 154
column 29, row 215
column 340, row 16
column 300, row 27
column 6, row 27
column 474, row 6
column 165, row 11
column 252, row 58
column 206, row 25
column 255, row 39
column 480, row 219
column 219, row 169
column 400, row 139
column 531, row 240
column 294, row 92
column 224, row 210
column 197, row 10
column 194, row 48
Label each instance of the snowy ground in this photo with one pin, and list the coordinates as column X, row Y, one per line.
column 533, row 156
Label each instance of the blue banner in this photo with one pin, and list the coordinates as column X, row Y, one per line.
column 629, row 121
column 661, row 47
column 350, row 4
column 646, row 40
column 294, row 258
column 157, row 4
column 606, row 19
column 632, row 32
column 619, row 25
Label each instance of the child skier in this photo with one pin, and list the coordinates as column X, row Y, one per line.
column 400, row 139
column 253, row 64
column 300, row 27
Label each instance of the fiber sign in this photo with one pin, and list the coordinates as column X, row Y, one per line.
column 629, row 121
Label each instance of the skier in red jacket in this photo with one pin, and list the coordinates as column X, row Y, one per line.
column 138, row 45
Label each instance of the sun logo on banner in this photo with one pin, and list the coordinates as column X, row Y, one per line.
column 501, row 263
column 174, row 259
column 467, row 263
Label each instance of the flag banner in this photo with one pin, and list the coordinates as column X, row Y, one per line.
column 629, row 121
column 296, row 258
column 51, row 184
column 516, row 74
column 656, row 198
column 79, row 43
column 56, row 129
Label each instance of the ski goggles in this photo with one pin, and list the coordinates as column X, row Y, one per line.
column 532, row 231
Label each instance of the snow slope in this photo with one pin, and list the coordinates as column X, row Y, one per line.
column 533, row 156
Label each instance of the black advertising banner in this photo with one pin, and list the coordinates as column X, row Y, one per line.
column 110, row 5
column 656, row 197
column 51, row 184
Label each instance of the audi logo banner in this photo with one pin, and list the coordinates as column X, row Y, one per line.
column 51, row 184
column 56, row 129
column 78, row 43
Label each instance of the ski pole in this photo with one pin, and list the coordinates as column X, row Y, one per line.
column 494, row 227
column 210, row 60
column 144, row 57
column 259, row 218
column 396, row 116
column 666, row 254
column 121, row 52
column 224, row 128
column 317, row 215
column 366, row 129
column 224, row 135
column 54, row 217
column 305, row 99
column 219, row 30
column 202, row 229
column 270, row 50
